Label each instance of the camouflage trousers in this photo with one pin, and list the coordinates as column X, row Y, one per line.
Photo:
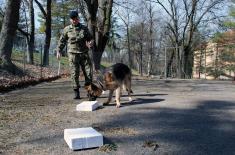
column 77, row 61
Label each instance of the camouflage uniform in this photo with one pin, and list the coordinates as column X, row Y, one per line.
column 76, row 37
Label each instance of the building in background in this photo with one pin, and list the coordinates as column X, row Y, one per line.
column 216, row 59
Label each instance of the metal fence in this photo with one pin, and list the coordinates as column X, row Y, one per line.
column 37, row 70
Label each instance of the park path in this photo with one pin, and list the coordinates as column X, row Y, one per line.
column 166, row 117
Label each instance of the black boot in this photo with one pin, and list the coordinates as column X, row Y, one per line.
column 76, row 94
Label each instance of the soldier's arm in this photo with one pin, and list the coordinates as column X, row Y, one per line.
column 62, row 41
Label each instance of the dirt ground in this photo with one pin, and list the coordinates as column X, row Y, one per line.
column 185, row 117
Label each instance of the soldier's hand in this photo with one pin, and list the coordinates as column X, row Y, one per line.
column 89, row 44
column 58, row 55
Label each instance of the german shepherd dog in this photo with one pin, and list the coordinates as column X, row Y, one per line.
column 116, row 77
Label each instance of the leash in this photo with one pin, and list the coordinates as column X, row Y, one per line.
column 99, row 80
column 90, row 53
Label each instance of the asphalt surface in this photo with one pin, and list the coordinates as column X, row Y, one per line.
column 166, row 117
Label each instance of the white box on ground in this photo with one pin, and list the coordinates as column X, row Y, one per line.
column 83, row 138
column 87, row 106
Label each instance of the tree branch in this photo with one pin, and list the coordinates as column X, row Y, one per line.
column 41, row 8
column 206, row 11
column 23, row 32
column 157, row 1
column 1, row 13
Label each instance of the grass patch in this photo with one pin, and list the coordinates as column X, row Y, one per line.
column 19, row 57
column 151, row 144
column 108, row 148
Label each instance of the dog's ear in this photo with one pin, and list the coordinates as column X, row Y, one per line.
column 93, row 87
column 96, row 91
column 87, row 87
column 108, row 77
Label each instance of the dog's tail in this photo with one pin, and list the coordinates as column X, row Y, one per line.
column 127, row 83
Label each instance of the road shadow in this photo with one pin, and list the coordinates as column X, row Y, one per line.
column 207, row 129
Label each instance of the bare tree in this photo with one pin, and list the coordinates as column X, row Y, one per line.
column 31, row 37
column 125, row 15
column 99, row 18
column 47, row 15
column 151, row 39
column 8, row 32
column 184, row 19
column 138, row 39
column 1, row 17
column 29, row 34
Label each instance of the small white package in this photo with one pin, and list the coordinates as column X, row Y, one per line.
column 87, row 106
column 83, row 138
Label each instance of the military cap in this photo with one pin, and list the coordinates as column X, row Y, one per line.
column 73, row 14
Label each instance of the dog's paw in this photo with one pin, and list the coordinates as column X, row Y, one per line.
column 118, row 106
column 105, row 103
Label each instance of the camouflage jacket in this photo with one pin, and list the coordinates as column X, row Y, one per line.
column 75, row 36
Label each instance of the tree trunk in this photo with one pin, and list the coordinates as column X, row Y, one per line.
column 48, row 35
column 151, row 49
column 179, row 69
column 188, row 63
column 130, row 58
column 30, row 50
column 99, row 25
column 169, row 64
column 141, row 59
column 97, row 55
column 200, row 63
column 8, row 32
column 150, row 57
column 31, row 40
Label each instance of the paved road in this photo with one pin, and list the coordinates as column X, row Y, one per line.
column 170, row 117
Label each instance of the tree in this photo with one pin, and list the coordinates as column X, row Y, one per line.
column 1, row 17
column 8, row 32
column 125, row 15
column 184, row 19
column 138, row 38
column 230, row 23
column 113, row 47
column 60, row 10
column 99, row 23
column 151, row 39
column 47, row 16
column 29, row 32
column 227, row 60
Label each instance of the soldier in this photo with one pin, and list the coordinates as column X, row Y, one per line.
column 79, row 42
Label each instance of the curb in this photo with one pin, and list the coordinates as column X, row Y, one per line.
column 24, row 84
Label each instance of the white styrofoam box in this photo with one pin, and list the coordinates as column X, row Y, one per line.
column 87, row 106
column 83, row 138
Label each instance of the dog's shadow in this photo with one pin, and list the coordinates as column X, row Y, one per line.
column 136, row 95
column 137, row 100
column 147, row 95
